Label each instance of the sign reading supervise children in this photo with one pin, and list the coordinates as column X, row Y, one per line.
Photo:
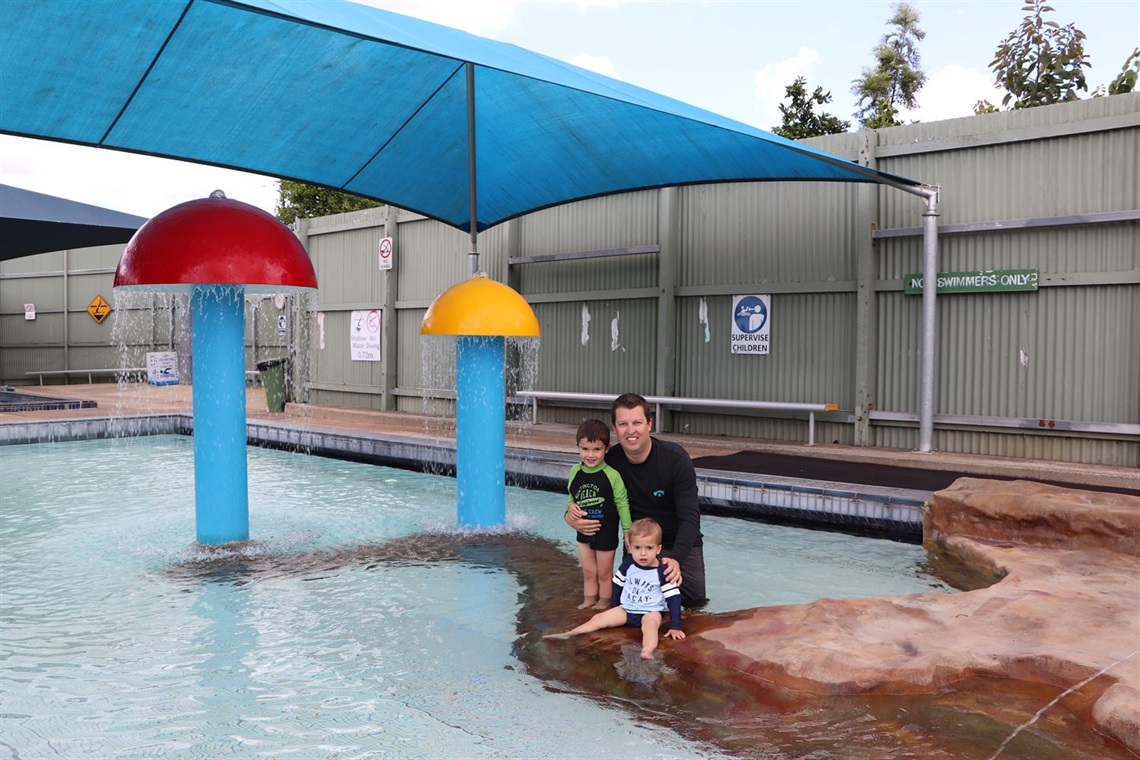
column 751, row 324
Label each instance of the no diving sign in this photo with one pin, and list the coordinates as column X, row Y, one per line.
column 364, row 336
column 386, row 253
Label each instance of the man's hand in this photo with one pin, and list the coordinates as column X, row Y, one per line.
column 576, row 519
column 672, row 570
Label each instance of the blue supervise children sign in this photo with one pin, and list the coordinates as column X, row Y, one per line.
column 751, row 324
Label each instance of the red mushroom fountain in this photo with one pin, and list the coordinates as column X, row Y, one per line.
column 217, row 250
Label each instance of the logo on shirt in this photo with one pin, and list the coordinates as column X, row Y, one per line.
column 658, row 493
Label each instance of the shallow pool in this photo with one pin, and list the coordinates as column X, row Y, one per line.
column 113, row 645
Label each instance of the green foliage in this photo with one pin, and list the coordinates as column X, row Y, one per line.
column 1126, row 80
column 1040, row 62
column 799, row 117
column 298, row 199
column 896, row 77
column 985, row 106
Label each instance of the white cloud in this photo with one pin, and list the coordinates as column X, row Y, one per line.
column 599, row 64
column 127, row 182
column 951, row 92
column 770, row 83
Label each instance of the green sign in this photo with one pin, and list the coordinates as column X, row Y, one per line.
column 990, row 281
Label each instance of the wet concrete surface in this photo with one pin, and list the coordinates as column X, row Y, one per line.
column 825, row 462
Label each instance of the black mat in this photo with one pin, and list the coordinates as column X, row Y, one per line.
column 864, row 473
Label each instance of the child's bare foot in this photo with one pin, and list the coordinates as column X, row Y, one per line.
column 603, row 605
column 587, row 602
column 647, row 654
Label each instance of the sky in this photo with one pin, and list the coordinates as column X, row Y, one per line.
column 731, row 57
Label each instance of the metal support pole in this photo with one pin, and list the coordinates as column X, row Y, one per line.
column 473, row 255
column 221, row 493
column 929, row 316
column 480, row 432
column 811, row 428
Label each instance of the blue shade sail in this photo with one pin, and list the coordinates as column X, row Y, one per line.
column 364, row 100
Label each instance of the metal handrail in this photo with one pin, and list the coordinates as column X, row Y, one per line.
column 659, row 401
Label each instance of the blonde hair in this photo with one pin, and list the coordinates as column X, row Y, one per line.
column 646, row 527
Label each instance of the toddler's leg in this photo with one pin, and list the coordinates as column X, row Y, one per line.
column 611, row 618
column 589, row 561
column 650, row 629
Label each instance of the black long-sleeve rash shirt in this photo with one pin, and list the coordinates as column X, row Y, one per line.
column 663, row 487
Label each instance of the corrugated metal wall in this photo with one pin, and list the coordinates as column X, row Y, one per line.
column 831, row 256
column 64, row 336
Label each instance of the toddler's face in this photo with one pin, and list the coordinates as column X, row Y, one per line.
column 644, row 550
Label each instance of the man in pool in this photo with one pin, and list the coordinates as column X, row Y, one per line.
column 661, row 484
column 640, row 593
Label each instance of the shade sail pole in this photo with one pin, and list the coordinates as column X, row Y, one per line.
column 473, row 256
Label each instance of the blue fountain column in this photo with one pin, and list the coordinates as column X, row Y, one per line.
column 480, row 422
column 221, row 499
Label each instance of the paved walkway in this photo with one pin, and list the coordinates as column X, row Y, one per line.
column 847, row 464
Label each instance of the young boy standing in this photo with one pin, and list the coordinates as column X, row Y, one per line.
column 598, row 490
column 639, row 586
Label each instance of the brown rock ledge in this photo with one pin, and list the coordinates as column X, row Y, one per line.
column 1065, row 607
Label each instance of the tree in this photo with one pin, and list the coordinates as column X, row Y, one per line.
column 1040, row 62
column 800, row 118
column 1126, row 80
column 298, row 199
column 896, row 77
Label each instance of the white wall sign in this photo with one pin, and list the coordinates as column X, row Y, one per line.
column 29, row 311
column 386, row 253
column 162, row 367
column 751, row 324
column 364, row 336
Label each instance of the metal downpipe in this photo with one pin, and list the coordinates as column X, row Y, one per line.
column 929, row 317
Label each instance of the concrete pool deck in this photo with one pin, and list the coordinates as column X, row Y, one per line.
column 1062, row 611
column 826, row 462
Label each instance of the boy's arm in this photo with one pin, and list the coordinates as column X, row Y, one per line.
column 621, row 498
column 674, row 603
column 570, row 482
column 672, row 596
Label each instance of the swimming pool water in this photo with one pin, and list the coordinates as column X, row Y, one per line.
column 107, row 653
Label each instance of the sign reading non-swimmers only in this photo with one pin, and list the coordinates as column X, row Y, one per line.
column 990, row 281
column 751, row 324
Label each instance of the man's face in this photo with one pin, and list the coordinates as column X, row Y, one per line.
column 633, row 430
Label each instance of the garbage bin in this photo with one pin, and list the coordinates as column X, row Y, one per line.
column 273, row 378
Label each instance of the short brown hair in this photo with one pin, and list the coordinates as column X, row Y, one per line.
column 630, row 401
column 646, row 527
column 594, row 430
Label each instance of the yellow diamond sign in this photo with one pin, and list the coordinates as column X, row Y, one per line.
column 99, row 309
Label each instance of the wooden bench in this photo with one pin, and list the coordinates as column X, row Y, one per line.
column 658, row 401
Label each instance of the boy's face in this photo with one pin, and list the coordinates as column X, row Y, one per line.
column 592, row 452
column 644, row 550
